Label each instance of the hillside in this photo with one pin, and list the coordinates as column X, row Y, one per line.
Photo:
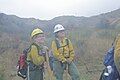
column 91, row 37
column 13, row 24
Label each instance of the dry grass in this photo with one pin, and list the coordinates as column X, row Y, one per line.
column 90, row 52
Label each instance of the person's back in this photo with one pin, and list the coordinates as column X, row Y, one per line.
column 110, row 72
column 110, row 69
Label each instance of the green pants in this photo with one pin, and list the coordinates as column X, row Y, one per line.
column 59, row 67
column 36, row 74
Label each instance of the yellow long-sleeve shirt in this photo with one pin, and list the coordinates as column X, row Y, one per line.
column 64, row 52
column 34, row 56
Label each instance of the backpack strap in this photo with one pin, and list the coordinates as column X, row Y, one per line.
column 34, row 45
column 39, row 50
column 58, row 44
column 26, row 51
column 67, row 41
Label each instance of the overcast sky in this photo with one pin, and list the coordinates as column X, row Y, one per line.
column 48, row 9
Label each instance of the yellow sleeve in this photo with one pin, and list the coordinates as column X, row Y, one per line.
column 56, row 53
column 117, row 48
column 34, row 57
column 47, row 66
column 71, row 50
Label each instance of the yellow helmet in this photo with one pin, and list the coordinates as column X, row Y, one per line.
column 36, row 31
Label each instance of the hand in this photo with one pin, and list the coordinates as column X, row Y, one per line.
column 106, row 74
column 109, row 69
column 69, row 60
column 64, row 60
column 17, row 67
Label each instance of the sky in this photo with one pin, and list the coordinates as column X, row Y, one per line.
column 49, row 9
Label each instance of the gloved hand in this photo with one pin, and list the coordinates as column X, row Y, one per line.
column 17, row 67
column 106, row 74
column 63, row 61
column 69, row 60
column 109, row 69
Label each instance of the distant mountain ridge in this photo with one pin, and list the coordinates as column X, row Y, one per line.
column 90, row 36
column 23, row 26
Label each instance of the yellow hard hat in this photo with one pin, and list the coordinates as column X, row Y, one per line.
column 36, row 31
